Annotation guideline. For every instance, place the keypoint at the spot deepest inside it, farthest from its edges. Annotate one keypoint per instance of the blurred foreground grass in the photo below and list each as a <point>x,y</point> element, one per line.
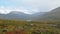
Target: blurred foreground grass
<point>29,27</point>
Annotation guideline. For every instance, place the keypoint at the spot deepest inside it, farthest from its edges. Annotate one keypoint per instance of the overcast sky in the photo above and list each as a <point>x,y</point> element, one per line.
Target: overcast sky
<point>28,6</point>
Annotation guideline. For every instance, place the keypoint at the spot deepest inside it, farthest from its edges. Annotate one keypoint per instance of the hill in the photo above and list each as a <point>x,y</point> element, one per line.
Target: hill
<point>14,16</point>
<point>52,15</point>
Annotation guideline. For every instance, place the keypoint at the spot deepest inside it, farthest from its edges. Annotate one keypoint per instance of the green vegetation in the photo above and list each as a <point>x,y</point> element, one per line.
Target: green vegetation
<point>32,27</point>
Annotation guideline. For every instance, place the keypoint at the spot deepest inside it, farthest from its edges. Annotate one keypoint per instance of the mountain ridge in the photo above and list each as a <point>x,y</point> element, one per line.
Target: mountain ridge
<point>18,16</point>
<point>51,15</point>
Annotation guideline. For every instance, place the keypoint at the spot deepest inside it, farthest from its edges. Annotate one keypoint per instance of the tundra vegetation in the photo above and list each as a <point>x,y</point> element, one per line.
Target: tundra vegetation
<point>29,27</point>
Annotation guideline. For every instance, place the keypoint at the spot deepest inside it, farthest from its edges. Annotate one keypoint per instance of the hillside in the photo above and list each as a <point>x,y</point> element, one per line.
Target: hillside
<point>14,16</point>
<point>52,15</point>
<point>33,27</point>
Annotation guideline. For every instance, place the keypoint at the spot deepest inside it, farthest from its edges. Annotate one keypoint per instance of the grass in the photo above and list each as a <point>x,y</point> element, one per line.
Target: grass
<point>32,27</point>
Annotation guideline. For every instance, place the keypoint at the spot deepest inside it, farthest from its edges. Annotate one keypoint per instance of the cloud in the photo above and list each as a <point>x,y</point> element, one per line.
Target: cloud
<point>31,6</point>
<point>6,10</point>
<point>37,4</point>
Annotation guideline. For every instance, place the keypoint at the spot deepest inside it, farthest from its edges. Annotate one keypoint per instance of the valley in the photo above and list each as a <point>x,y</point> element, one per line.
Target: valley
<point>29,27</point>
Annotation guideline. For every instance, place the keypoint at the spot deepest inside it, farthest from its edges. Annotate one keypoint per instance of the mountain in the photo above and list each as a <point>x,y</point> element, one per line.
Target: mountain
<point>14,15</point>
<point>36,15</point>
<point>52,15</point>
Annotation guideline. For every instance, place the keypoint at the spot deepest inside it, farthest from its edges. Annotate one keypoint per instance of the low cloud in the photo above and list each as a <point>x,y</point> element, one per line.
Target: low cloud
<point>31,6</point>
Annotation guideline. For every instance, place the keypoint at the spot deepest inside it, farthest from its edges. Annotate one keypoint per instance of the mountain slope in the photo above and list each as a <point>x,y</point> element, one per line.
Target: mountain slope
<point>14,15</point>
<point>36,15</point>
<point>52,15</point>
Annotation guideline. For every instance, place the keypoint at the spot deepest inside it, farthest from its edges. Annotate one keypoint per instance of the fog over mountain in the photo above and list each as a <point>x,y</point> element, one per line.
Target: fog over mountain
<point>52,15</point>
<point>28,6</point>
<point>16,15</point>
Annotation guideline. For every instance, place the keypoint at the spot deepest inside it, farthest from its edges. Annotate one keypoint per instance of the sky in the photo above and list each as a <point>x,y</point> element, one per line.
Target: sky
<point>28,6</point>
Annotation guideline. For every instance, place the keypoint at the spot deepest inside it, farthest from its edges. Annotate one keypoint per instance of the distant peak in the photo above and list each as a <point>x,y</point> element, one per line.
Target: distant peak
<point>16,12</point>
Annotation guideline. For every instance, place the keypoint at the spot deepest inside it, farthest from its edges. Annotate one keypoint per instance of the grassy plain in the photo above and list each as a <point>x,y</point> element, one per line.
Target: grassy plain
<point>29,27</point>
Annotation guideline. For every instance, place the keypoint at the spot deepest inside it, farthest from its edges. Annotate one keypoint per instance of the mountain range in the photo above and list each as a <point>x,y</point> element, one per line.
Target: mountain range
<point>14,15</point>
<point>51,15</point>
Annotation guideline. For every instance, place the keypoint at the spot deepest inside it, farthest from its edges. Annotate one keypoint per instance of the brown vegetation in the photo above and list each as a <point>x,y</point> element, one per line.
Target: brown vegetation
<point>32,27</point>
